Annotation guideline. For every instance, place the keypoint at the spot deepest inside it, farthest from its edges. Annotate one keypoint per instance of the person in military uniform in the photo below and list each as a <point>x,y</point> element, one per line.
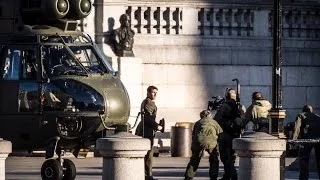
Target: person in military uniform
<point>307,126</point>
<point>204,137</point>
<point>148,126</point>
<point>258,113</point>
<point>229,118</point>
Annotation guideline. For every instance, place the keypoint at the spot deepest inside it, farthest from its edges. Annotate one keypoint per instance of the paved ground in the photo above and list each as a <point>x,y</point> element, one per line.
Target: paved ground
<point>165,168</point>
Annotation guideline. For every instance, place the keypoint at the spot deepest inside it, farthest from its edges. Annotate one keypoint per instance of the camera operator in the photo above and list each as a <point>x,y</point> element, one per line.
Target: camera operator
<point>229,118</point>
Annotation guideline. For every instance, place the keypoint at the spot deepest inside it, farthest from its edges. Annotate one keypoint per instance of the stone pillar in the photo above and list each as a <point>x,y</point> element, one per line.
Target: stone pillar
<point>123,156</point>
<point>5,149</point>
<point>131,70</point>
<point>260,156</point>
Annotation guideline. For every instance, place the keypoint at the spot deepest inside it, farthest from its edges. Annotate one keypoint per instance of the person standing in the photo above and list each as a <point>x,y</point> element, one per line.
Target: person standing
<point>258,113</point>
<point>307,126</point>
<point>229,118</point>
<point>204,137</point>
<point>148,126</point>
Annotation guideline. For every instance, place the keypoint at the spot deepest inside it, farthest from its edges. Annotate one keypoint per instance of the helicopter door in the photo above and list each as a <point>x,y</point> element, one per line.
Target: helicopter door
<point>19,94</point>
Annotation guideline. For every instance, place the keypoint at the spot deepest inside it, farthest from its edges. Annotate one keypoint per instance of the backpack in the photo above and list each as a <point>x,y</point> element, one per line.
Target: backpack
<point>310,125</point>
<point>232,123</point>
<point>208,134</point>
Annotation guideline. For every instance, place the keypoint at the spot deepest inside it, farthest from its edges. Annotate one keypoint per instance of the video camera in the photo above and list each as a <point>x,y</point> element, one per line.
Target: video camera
<point>216,103</point>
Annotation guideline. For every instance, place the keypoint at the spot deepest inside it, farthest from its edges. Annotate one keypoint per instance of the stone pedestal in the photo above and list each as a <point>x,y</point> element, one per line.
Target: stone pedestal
<point>131,74</point>
<point>260,156</point>
<point>5,149</point>
<point>123,156</point>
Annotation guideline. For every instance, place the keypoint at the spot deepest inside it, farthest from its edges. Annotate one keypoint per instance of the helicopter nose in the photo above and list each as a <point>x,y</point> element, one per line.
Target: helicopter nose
<point>118,103</point>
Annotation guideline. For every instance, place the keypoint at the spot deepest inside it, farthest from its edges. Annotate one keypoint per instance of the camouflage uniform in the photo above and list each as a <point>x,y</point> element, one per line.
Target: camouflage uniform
<point>148,129</point>
<point>258,112</point>
<point>211,147</point>
<point>307,126</point>
<point>228,116</point>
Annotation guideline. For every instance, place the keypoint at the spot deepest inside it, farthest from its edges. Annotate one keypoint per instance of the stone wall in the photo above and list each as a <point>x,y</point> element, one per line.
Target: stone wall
<point>192,50</point>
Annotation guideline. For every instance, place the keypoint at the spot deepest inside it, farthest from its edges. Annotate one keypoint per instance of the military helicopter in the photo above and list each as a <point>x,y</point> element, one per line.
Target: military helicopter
<point>58,91</point>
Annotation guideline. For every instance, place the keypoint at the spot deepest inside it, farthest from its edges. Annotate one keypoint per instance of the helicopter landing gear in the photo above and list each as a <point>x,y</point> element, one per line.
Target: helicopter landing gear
<point>69,170</point>
<point>57,169</point>
<point>52,170</point>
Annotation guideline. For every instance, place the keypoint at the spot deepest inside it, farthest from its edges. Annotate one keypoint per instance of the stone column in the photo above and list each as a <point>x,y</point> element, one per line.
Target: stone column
<point>260,156</point>
<point>5,149</point>
<point>123,156</point>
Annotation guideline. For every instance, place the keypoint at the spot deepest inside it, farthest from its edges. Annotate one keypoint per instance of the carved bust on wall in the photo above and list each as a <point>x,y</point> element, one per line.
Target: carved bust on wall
<point>123,38</point>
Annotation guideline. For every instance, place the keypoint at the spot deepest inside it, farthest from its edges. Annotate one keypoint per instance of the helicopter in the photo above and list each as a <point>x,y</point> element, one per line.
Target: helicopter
<point>58,91</point>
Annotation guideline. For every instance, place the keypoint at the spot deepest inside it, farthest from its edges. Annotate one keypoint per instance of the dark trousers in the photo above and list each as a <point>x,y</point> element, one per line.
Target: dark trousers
<point>193,164</point>
<point>148,160</point>
<point>304,154</point>
<point>227,156</point>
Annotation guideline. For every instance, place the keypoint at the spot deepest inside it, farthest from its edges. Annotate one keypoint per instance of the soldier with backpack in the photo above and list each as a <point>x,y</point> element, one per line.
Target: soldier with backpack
<point>204,137</point>
<point>258,113</point>
<point>307,125</point>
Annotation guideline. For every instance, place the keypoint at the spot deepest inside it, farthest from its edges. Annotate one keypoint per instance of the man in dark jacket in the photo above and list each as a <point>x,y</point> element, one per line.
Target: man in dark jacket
<point>148,126</point>
<point>204,137</point>
<point>307,126</point>
<point>229,118</point>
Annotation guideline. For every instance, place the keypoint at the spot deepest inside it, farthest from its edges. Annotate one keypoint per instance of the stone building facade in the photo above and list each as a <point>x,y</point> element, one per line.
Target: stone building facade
<point>192,49</point>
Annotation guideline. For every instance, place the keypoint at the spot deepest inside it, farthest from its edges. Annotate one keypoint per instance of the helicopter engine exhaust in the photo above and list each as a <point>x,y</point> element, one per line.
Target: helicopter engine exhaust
<point>54,10</point>
<point>79,9</point>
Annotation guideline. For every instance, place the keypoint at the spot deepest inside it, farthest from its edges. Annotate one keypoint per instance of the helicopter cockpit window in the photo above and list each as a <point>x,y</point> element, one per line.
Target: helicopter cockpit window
<point>29,66</point>
<point>20,64</point>
<point>88,59</point>
<point>57,60</point>
<point>12,65</point>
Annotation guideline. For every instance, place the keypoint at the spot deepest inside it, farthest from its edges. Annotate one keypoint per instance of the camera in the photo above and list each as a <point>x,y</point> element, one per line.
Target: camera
<point>216,103</point>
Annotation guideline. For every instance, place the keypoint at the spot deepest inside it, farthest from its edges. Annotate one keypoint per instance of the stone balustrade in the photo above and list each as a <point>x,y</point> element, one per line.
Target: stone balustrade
<point>209,18</point>
<point>156,20</point>
<point>219,18</point>
<point>226,22</point>
<point>302,23</point>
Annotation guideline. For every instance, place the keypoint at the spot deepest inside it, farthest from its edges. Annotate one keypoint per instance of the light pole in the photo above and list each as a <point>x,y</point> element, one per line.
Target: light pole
<point>277,113</point>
